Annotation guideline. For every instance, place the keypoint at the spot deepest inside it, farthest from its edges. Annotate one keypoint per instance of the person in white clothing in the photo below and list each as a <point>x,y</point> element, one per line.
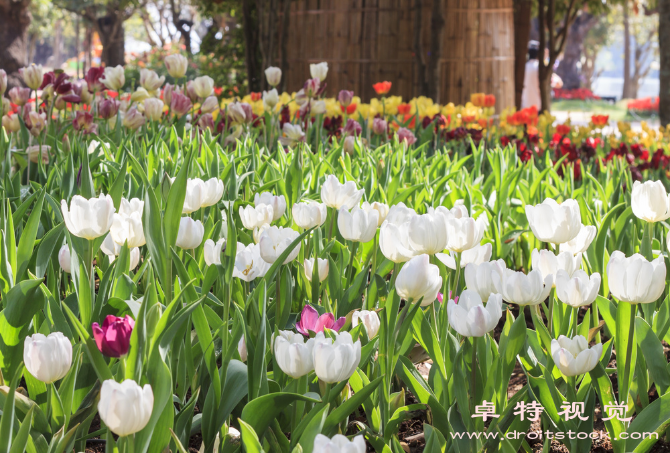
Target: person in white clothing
<point>531,81</point>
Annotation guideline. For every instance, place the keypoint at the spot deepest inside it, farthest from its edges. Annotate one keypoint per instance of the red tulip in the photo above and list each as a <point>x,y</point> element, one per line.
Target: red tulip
<point>113,338</point>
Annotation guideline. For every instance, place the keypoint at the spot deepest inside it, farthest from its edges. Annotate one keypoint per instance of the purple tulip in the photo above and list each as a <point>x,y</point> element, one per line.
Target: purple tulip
<point>352,128</point>
<point>310,320</point>
<point>345,97</point>
<point>113,338</point>
<point>108,108</point>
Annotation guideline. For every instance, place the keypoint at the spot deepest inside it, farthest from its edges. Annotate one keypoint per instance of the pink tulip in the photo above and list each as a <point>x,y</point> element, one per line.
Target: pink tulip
<point>405,134</point>
<point>180,104</point>
<point>310,320</point>
<point>353,127</point>
<point>113,338</point>
<point>345,97</point>
<point>379,126</point>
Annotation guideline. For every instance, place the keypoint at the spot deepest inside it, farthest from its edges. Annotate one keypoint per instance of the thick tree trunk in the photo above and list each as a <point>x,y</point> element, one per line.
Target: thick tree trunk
<point>664,48</point>
<point>110,29</point>
<point>254,69</point>
<point>522,25</point>
<point>627,82</point>
<point>14,21</point>
<point>569,69</point>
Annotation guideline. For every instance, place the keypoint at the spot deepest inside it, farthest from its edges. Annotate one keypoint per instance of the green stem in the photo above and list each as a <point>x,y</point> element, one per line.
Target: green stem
<point>624,384</point>
<point>454,287</point>
<point>350,269</point>
<point>575,314</point>
<point>278,310</point>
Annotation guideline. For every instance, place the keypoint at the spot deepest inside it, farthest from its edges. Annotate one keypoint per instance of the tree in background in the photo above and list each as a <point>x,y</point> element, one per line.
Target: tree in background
<point>14,23</point>
<point>664,49</point>
<point>598,37</point>
<point>639,45</point>
<point>522,14</point>
<point>570,67</point>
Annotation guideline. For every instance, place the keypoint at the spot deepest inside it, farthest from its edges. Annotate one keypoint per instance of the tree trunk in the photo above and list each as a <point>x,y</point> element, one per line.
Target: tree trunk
<point>110,29</point>
<point>664,50</point>
<point>522,25</point>
<point>627,85</point>
<point>570,68</point>
<point>254,69</point>
<point>14,21</point>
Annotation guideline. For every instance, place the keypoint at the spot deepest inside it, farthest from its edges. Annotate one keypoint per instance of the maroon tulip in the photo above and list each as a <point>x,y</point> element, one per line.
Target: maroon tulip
<point>93,77</point>
<point>83,122</point>
<point>311,321</point>
<point>113,338</point>
<point>108,108</point>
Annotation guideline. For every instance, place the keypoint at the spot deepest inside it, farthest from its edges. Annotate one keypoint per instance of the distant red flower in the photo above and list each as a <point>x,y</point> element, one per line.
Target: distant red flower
<point>563,129</point>
<point>382,87</point>
<point>351,108</point>
<point>256,96</point>
<point>404,109</point>
<point>600,120</point>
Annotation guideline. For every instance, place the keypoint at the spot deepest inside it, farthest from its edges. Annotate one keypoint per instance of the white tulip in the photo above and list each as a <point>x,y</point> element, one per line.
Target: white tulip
<point>273,76</point>
<point>322,272</point>
<point>553,222</point>
<point>270,99</point>
<point>319,71</point>
<point>64,258</point>
<point>96,145</point>
<point>335,361</point>
<point>317,107</point>
<point>278,203</point>
<point>470,318</point>
<point>428,233</point>
<point>338,444</point>
<point>381,208</point>
<point>337,195</point>
<point>47,359</point>
<point>394,241</point>
<point>32,76</point>
<point>248,262</point>
<point>577,290</point>
<point>255,216</point>
<point>153,109</point>
<point>309,214</point>
<point>34,154</point>
<point>88,219</point>
<point>479,277</point>
<point>129,206</point>
<point>369,319</point>
<point>275,240</point>
<point>203,86</point>
<point>212,251</point>
<point>242,349</point>
<point>399,214</point>
<point>190,233</point>
<point>114,77</point>
<point>209,105</point>
<point>464,233</point>
<point>521,289</point>
<point>650,201</point>
<point>293,134</point>
<point>573,356</point>
<point>150,81</point>
<point>125,408</point>
<point>358,225</point>
<point>258,232</point>
<point>549,264</point>
<point>213,191</point>
<point>176,65</point>
<point>634,279</point>
<point>128,228</point>
<point>476,255</point>
<point>293,354</point>
<point>581,242</point>
<point>419,279</point>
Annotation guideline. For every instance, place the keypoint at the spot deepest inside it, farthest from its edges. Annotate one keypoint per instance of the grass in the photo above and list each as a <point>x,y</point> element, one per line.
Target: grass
<point>617,111</point>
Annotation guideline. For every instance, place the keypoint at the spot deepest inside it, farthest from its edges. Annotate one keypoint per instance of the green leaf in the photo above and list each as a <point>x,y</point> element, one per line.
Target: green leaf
<point>260,412</point>
<point>249,438</point>
<point>175,203</point>
<point>22,302</point>
<point>27,240</point>
<point>21,439</point>
<point>7,420</point>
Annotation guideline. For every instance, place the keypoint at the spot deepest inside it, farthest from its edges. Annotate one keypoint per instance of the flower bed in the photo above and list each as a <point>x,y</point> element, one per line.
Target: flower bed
<point>287,273</point>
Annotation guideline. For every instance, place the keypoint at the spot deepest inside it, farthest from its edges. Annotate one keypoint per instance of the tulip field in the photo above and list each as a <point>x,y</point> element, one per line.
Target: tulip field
<point>197,273</point>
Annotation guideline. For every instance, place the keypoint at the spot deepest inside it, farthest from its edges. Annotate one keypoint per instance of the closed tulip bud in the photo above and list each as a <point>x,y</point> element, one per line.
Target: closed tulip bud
<point>428,233</point>
<point>470,318</point>
<point>476,255</point>
<point>278,203</point>
<point>352,127</point>
<point>113,337</point>
<point>128,228</point>
<point>635,280</point>
<point>581,242</point>
<point>153,109</point>
<point>577,290</point>
<point>311,88</point>
<point>317,107</point>
<point>553,222</point>
<point>479,277</point>
<point>464,233</point>
<point>212,251</point>
<point>242,349</point>
<point>419,279</point>
<point>212,193</point>
<point>322,271</point>
<point>335,361</point>
<point>133,119</point>
<point>254,217</point>
<point>407,136</point>
<point>358,225</point>
<point>64,259</point>
<point>248,262</point>
<point>150,81</point>
<point>338,444</point>
<point>3,82</point>
<point>573,356</point>
<point>83,122</point>
<point>176,65</point>
<point>309,214</point>
<point>32,76</point>
<point>549,264</point>
<point>394,241</point>
<point>88,218</point>
<point>108,108</point>
<point>273,76</point>
<point>275,240</point>
<point>125,408</point>
<point>11,123</point>
<point>203,86</point>
<point>130,206</point>
<point>381,208</point>
<point>293,354</point>
<point>140,95</point>
<point>48,359</point>
<point>190,233</point>
<point>301,97</point>
<point>369,319</point>
<point>521,289</point>
<point>337,195</point>
<point>114,78</point>
<point>650,201</point>
<point>190,91</point>
<point>38,122</point>
<point>180,104</point>
<point>209,105</point>
<point>379,126</point>
<point>349,145</point>
<point>19,96</point>
<point>270,99</point>
<point>206,121</point>
<point>292,134</point>
<point>319,71</point>
<point>34,153</point>
<point>345,97</point>
<point>236,113</point>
